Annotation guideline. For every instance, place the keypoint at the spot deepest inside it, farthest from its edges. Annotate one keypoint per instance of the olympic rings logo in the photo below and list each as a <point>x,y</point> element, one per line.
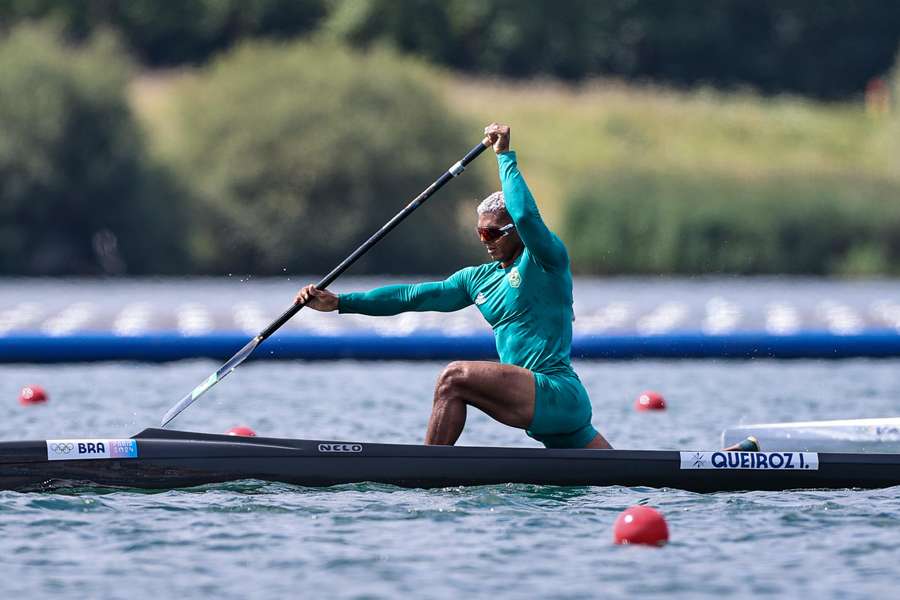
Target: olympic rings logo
<point>63,448</point>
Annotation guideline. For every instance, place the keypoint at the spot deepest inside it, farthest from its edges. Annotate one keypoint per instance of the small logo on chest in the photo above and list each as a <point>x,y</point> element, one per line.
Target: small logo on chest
<point>480,299</point>
<point>513,277</point>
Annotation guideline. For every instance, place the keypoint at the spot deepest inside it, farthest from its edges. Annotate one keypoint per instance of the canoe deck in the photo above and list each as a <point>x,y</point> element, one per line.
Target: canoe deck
<point>166,459</point>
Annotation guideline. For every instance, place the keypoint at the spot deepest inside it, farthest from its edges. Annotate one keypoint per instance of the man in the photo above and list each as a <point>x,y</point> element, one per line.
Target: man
<point>526,296</point>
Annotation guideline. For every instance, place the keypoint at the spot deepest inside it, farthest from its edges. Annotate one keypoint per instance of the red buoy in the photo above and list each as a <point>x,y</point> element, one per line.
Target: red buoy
<point>32,394</point>
<point>641,525</point>
<point>650,401</point>
<point>241,430</point>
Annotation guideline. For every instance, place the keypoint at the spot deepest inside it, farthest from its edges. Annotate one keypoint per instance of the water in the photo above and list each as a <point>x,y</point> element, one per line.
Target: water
<point>716,305</point>
<point>253,539</point>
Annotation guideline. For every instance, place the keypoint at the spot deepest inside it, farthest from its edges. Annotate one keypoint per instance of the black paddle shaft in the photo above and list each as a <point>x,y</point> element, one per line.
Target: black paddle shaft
<point>452,172</point>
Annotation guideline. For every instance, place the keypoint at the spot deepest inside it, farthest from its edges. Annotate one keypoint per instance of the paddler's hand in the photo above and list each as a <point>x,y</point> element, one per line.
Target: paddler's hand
<point>317,299</point>
<point>499,136</point>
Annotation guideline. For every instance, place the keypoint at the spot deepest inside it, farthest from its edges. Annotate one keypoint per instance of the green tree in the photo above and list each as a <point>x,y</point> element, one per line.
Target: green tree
<point>651,223</point>
<point>298,153</point>
<point>823,49</point>
<point>826,49</point>
<point>173,33</point>
<point>77,194</point>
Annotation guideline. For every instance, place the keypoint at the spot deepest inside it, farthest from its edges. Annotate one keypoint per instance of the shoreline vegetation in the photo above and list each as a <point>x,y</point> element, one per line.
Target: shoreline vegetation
<point>642,179</point>
<point>275,157</point>
<point>609,125</point>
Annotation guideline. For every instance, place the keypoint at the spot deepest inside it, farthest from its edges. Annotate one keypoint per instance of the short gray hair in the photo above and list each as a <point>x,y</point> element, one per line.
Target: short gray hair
<point>493,204</point>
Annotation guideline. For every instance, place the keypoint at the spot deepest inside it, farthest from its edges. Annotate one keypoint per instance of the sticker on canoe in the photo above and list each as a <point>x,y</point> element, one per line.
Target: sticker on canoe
<point>340,448</point>
<point>91,449</point>
<point>764,461</point>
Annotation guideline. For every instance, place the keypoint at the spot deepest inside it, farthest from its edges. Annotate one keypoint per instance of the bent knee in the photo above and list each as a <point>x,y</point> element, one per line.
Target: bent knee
<point>453,378</point>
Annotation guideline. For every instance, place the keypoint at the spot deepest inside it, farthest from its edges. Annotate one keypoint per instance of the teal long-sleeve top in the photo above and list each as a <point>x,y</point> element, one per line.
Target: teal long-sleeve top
<point>528,304</point>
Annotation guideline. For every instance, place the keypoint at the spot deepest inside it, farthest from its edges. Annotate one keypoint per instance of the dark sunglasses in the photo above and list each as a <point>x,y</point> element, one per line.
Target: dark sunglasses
<point>490,234</point>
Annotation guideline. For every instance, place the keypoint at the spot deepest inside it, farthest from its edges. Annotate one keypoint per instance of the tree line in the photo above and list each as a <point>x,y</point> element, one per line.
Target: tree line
<point>286,153</point>
<point>828,49</point>
<point>286,157</point>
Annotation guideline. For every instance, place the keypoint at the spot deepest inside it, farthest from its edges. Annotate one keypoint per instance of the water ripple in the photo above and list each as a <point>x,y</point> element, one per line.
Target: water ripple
<point>260,539</point>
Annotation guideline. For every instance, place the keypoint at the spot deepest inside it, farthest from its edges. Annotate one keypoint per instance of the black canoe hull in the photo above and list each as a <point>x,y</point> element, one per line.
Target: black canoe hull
<point>174,459</point>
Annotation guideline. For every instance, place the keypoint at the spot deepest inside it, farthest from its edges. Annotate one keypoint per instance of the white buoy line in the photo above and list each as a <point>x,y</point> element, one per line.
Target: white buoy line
<point>716,316</point>
<point>134,319</point>
<point>781,318</point>
<point>72,318</point>
<point>721,317</point>
<point>193,319</point>
<point>19,316</point>
<point>663,318</point>
<point>840,318</point>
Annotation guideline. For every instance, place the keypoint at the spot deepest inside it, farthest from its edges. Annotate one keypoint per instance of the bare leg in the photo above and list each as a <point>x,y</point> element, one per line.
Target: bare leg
<point>448,417</point>
<point>504,392</point>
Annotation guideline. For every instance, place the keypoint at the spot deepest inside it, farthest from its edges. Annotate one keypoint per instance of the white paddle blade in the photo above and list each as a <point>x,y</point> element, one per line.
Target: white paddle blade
<point>210,381</point>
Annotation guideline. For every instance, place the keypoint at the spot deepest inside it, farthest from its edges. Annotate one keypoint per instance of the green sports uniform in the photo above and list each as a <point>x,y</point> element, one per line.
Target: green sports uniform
<point>528,305</point>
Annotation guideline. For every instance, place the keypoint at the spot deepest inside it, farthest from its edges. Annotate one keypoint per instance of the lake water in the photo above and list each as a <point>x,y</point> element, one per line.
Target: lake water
<point>622,305</point>
<point>254,539</point>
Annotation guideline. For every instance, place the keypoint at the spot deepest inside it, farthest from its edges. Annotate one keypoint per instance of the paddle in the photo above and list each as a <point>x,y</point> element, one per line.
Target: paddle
<point>247,350</point>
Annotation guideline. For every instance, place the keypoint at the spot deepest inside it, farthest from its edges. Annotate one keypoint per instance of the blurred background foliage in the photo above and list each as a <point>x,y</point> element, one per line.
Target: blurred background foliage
<point>638,222</point>
<point>182,32</point>
<point>825,49</point>
<point>211,136</point>
<point>78,191</point>
<point>298,153</point>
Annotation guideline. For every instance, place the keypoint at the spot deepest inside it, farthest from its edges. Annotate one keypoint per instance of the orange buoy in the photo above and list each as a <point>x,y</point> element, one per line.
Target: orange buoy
<point>32,394</point>
<point>241,430</point>
<point>650,401</point>
<point>641,525</point>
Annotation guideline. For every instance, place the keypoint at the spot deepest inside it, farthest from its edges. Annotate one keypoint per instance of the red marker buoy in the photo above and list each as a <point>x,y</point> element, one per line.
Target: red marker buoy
<point>32,394</point>
<point>650,401</point>
<point>241,430</point>
<point>641,525</point>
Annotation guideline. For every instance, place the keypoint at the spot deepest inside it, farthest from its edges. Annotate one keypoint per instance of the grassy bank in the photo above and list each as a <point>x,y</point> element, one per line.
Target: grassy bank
<point>650,180</point>
<point>566,134</point>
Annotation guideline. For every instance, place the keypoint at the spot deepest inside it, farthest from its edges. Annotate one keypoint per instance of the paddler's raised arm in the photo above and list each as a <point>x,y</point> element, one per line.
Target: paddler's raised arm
<point>441,296</point>
<point>543,244</point>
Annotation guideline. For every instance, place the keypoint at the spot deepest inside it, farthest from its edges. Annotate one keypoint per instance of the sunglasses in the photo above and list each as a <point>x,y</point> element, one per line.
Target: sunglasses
<point>490,234</point>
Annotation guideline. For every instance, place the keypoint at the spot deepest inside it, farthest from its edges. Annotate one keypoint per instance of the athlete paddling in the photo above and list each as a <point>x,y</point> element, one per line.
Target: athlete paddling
<point>526,296</point>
